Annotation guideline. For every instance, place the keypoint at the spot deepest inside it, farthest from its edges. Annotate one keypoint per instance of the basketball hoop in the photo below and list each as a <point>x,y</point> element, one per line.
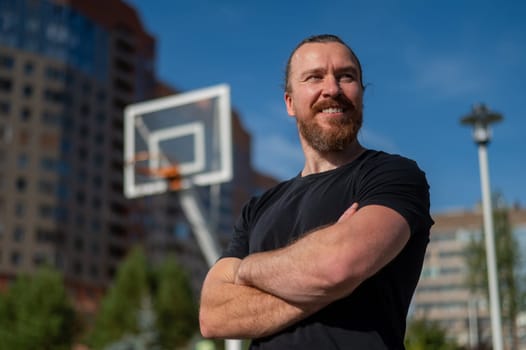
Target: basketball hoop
<point>169,172</point>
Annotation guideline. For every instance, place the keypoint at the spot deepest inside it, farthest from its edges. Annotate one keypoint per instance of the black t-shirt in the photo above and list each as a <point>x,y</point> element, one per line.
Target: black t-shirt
<point>373,315</point>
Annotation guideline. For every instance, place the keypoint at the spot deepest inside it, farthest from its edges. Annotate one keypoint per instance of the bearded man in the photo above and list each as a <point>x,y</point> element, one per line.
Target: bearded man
<point>330,258</point>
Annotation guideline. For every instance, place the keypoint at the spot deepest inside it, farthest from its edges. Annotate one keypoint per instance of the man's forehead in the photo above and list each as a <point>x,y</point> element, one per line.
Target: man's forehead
<point>310,52</point>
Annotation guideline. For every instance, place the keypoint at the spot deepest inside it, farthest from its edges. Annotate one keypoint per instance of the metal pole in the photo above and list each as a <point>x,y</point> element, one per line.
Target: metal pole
<point>473,323</point>
<point>491,260</point>
<point>194,212</point>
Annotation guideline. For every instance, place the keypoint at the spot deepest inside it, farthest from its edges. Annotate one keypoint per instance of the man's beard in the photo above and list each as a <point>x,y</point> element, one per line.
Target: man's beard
<point>342,132</point>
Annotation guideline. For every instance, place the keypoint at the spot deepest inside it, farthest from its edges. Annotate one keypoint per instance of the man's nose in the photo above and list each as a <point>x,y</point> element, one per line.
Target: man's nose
<point>331,86</point>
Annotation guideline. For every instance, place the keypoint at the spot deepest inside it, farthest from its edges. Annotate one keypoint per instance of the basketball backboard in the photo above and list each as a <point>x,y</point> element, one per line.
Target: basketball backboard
<point>186,138</point>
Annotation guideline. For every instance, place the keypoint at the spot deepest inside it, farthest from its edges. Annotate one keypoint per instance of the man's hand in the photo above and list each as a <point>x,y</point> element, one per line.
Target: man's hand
<point>234,311</point>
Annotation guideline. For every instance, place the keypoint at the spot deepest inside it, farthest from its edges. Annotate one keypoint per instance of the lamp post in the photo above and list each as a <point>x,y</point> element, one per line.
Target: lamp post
<point>480,119</point>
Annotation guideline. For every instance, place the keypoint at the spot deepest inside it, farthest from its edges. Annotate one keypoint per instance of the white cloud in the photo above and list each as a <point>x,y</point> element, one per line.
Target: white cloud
<point>449,77</point>
<point>278,155</point>
<point>374,140</point>
<point>446,75</point>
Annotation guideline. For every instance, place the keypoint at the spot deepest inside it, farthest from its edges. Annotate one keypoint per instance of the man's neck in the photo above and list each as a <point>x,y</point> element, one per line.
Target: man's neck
<point>317,162</point>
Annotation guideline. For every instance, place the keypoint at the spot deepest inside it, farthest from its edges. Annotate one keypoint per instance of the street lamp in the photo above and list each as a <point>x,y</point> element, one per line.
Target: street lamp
<point>480,119</point>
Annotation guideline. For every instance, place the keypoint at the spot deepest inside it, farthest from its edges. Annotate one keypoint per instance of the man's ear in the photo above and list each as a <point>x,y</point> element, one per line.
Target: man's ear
<point>290,104</point>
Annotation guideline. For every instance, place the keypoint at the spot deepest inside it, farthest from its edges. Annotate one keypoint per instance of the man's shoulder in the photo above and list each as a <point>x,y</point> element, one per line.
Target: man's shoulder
<point>382,160</point>
<point>382,156</point>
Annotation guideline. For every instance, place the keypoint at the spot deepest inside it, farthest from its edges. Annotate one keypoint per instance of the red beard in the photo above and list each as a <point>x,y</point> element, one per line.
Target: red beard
<point>335,138</point>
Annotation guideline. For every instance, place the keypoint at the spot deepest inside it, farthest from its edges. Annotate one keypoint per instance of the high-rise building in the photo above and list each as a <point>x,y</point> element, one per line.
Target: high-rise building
<point>67,70</point>
<point>443,295</point>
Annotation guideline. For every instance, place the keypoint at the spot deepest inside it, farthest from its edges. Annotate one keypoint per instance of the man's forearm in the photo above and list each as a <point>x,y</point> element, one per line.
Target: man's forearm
<point>235,311</point>
<point>331,262</point>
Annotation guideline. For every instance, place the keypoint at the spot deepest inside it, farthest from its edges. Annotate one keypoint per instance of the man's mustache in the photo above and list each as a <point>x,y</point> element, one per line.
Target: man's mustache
<point>339,102</point>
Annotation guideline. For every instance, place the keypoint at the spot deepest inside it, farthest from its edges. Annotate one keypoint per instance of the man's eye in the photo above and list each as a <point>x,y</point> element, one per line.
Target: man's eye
<point>347,78</point>
<point>313,78</point>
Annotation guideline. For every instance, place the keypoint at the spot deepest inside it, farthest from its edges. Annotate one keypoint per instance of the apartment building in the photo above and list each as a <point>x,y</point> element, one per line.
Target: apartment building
<point>442,294</point>
<point>67,70</point>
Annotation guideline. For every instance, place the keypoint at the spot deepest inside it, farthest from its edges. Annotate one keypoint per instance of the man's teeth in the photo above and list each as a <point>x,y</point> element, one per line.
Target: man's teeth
<point>332,110</point>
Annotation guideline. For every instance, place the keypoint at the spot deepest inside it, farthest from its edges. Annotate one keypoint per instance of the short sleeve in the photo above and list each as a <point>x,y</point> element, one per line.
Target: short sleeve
<point>397,183</point>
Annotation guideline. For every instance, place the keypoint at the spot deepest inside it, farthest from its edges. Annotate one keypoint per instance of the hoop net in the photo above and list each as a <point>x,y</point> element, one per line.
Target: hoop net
<point>158,167</point>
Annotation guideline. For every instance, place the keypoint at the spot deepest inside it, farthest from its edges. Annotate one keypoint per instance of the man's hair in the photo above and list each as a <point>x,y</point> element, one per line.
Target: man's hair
<point>321,38</point>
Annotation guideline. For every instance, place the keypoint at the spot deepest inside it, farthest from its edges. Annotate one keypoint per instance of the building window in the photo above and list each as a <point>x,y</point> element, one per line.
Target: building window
<point>77,267</point>
<point>80,197</point>
<point>5,108</point>
<point>97,181</point>
<point>7,62</point>
<point>65,146</point>
<point>20,210</point>
<point>27,91</point>
<point>39,259</point>
<point>96,226</point>
<point>57,96</point>
<point>46,187</point>
<point>61,214</point>
<point>94,271</point>
<point>16,258</point>
<point>23,137</point>
<point>49,141</point>
<point>84,131</point>
<point>18,234</point>
<point>21,184</point>
<point>85,110</point>
<point>86,88</point>
<point>82,153</point>
<point>22,161</point>
<point>80,221</point>
<point>98,159</point>
<point>99,138</point>
<point>29,68</point>
<point>79,244</point>
<point>48,164</point>
<point>101,96</point>
<point>46,211</point>
<point>45,236</point>
<point>5,85</point>
<point>5,133</point>
<point>25,114</point>
<point>51,119</point>
<point>96,203</point>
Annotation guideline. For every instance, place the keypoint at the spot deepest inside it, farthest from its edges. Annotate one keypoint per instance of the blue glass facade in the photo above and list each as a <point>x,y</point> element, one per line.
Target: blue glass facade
<point>57,32</point>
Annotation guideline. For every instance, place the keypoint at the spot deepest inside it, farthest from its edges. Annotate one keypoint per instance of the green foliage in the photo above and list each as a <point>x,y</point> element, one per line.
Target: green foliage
<point>174,305</point>
<point>119,309</point>
<point>36,313</point>
<point>426,335</point>
<point>511,290</point>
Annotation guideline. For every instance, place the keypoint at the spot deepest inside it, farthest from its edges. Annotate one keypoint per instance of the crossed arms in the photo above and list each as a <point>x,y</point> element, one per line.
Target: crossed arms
<point>269,291</point>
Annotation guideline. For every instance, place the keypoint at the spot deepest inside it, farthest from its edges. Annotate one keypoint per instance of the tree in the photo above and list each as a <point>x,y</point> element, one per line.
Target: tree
<point>174,305</point>
<point>36,313</point>
<point>139,293</point>
<point>118,315</point>
<point>427,335</point>
<point>508,257</point>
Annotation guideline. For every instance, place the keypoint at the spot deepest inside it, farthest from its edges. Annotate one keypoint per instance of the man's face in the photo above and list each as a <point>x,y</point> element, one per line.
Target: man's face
<point>325,95</point>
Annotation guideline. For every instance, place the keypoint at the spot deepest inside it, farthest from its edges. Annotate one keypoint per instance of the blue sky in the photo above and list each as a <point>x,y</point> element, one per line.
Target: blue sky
<point>425,64</point>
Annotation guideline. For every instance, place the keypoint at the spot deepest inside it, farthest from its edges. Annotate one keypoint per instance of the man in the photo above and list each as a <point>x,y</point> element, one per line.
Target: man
<point>329,259</point>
